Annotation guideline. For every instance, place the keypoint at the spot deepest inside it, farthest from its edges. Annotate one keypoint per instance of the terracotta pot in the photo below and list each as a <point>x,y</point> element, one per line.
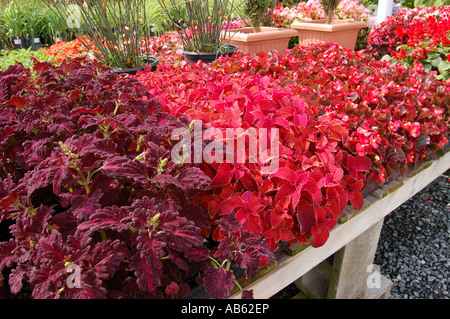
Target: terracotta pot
<point>270,38</point>
<point>342,32</point>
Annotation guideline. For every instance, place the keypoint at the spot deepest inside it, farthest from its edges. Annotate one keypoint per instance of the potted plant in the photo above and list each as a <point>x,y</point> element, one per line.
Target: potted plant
<point>117,29</point>
<point>260,37</point>
<point>14,23</point>
<point>329,29</point>
<point>199,25</point>
<point>35,23</point>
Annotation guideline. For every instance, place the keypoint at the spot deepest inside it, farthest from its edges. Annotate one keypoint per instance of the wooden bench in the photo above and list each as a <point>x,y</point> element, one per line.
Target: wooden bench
<point>342,268</point>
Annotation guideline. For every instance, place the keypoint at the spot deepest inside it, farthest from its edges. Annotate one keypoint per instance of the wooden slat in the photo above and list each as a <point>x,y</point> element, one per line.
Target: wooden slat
<point>290,268</point>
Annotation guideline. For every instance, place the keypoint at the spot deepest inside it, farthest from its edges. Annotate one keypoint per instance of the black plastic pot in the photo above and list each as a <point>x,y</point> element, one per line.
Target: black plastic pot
<point>58,37</point>
<point>18,42</point>
<point>150,61</point>
<point>34,42</point>
<point>208,57</point>
<point>152,31</point>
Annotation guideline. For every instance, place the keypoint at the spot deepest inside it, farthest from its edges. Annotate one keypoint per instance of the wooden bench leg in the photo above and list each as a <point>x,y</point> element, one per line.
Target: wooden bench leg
<point>351,273</point>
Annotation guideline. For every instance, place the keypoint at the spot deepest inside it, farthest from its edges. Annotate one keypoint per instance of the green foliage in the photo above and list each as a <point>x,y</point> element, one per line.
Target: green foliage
<point>291,3</point>
<point>329,7</point>
<point>156,17</point>
<point>434,60</point>
<point>200,23</point>
<point>54,26</point>
<point>23,56</point>
<point>257,11</point>
<point>117,28</point>
<point>431,3</point>
<point>28,17</point>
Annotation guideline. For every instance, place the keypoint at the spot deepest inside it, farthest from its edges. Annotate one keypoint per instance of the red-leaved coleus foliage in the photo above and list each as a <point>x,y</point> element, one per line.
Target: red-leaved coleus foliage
<point>312,163</point>
<point>88,185</point>
<point>346,122</point>
<point>397,116</point>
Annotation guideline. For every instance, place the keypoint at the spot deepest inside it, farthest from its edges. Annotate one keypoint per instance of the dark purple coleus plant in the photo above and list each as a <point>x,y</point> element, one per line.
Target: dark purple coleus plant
<point>91,203</point>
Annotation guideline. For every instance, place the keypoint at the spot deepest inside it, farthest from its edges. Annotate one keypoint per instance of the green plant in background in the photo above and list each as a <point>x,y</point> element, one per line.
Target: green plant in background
<point>259,12</point>
<point>329,7</point>
<point>291,3</point>
<point>431,3</point>
<point>23,56</point>
<point>158,18</point>
<point>433,61</point>
<point>34,14</point>
<point>54,26</point>
<point>117,28</point>
<point>199,23</point>
<point>13,20</point>
<point>27,18</point>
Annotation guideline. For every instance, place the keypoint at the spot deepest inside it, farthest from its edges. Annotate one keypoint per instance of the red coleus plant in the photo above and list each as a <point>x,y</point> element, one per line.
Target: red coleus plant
<point>309,175</point>
<point>92,204</point>
<point>396,116</point>
<point>346,122</point>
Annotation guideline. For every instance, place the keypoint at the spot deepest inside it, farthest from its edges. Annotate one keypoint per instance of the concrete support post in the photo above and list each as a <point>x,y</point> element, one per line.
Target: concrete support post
<point>351,273</point>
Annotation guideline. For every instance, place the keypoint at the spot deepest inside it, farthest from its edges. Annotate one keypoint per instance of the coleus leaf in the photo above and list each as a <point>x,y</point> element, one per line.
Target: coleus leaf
<point>248,262</point>
<point>251,249</point>
<point>112,217</point>
<point>184,235</point>
<point>230,204</point>
<point>146,264</point>
<point>164,180</point>
<point>105,257</point>
<point>223,176</point>
<point>84,206</point>
<point>306,216</point>
<point>52,248</point>
<point>8,254</point>
<point>218,282</point>
<point>29,224</point>
<point>123,168</point>
<point>321,230</point>
<point>358,164</point>
<point>312,189</point>
<point>16,278</point>
<point>47,280</point>
<point>357,200</point>
<point>286,174</point>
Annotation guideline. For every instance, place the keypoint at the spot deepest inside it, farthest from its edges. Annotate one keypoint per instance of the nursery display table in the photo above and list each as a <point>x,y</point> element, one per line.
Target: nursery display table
<point>342,268</point>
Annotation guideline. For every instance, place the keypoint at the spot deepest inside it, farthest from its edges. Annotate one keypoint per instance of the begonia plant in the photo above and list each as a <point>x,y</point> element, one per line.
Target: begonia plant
<point>415,36</point>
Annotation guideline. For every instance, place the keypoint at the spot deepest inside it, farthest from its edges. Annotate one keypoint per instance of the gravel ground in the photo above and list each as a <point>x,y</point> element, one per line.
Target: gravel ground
<point>413,251</point>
